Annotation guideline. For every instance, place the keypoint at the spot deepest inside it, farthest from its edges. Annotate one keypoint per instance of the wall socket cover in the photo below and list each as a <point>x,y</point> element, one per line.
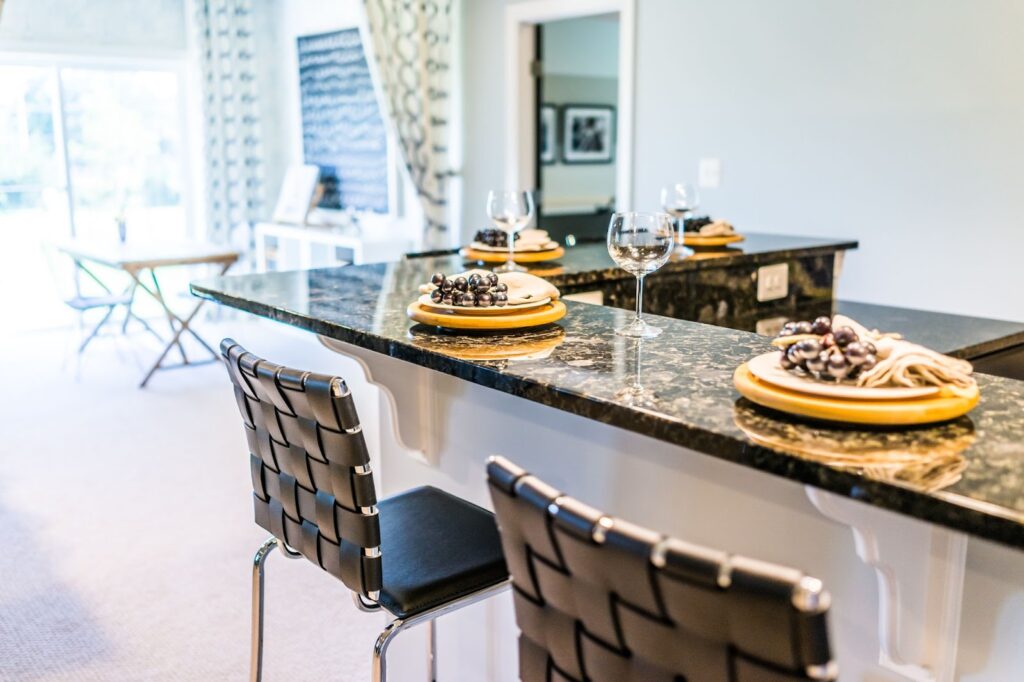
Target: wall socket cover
<point>772,282</point>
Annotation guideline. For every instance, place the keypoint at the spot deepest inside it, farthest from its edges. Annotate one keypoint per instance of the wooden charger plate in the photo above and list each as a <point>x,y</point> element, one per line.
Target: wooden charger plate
<point>900,412</point>
<point>722,240</point>
<point>469,253</point>
<point>546,314</point>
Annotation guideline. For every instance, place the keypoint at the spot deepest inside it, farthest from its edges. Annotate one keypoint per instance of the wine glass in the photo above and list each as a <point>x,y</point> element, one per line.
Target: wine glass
<point>640,243</point>
<point>680,200</point>
<point>510,211</point>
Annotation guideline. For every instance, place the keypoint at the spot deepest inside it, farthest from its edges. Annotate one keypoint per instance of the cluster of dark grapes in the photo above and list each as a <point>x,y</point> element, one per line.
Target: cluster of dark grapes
<point>835,354</point>
<point>695,223</point>
<point>477,290</point>
<point>493,237</point>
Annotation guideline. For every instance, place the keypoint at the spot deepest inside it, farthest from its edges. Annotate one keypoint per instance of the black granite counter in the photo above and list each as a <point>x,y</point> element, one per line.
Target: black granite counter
<point>967,474</point>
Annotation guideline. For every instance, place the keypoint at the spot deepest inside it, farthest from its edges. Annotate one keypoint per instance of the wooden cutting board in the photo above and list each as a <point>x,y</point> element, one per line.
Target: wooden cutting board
<point>552,312</point>
<point>902,412</point>
<point>470,253</point>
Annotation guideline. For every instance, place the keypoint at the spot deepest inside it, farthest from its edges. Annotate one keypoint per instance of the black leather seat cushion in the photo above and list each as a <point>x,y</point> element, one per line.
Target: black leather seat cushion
<point>435,547</point>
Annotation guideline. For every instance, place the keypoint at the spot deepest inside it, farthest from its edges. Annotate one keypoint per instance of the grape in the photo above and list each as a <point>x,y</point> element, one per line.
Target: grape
<point>806,349</point>
<point>784,360</point>
<point>461,283</point>
<point>447,300</point>
<point>458,298</point>
<point>837,366</point>
<point>500,298</point>
<point>855,353</point>
<point>484,300</point>
<point>828,341</point>
<point>446,285</point>
<point>786,332</point>
<point>469,298</point>
<point>844,336</point>
<point>501,288</point>
<point>870,360</point>
<point>817,363</point>
<point>437,278</point>
<point>492,279</point>
<point>436,295</point>
<point>870,348</point>
<point>821,326</point>
<point>474,281</point>
<point>803,328</point>
<point>793,355</point>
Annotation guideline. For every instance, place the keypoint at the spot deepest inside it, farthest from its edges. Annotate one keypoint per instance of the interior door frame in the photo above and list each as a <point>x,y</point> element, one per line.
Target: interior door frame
<point>521,18</point>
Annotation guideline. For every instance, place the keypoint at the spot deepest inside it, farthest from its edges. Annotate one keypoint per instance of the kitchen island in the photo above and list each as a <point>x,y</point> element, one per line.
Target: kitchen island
<point>924,555</point>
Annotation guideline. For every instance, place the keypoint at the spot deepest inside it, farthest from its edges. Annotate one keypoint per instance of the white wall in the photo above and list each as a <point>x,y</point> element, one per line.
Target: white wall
<point>895,123</point>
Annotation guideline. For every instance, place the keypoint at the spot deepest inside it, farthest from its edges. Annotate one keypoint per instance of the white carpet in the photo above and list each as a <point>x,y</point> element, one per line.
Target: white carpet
<point>127,532</point>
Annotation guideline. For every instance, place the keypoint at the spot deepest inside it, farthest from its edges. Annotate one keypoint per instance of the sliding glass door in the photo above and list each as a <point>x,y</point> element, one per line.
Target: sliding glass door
<point>81,148</point>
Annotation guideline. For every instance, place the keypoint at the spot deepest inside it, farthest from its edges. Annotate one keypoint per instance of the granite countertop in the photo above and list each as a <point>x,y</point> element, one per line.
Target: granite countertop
<point>590,263</point>
<point>967,474</point>
<point>957,335</point>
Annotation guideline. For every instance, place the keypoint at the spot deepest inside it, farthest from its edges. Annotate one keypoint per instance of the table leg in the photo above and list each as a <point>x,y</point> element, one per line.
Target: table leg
<point>183,325</point>
<point>159,295</point>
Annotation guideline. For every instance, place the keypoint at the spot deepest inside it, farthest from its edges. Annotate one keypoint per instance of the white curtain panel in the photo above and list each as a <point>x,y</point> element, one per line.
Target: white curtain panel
<point>234,156</point>
<point>411,45</point>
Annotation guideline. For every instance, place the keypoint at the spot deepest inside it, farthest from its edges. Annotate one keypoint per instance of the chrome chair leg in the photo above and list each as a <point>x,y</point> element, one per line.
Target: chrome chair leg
<point>432,651</point>
<point>256,661</point>
<point>380,649</point>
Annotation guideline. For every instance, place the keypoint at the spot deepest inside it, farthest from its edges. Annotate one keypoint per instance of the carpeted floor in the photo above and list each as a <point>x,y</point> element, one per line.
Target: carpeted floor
<point>127,532</point>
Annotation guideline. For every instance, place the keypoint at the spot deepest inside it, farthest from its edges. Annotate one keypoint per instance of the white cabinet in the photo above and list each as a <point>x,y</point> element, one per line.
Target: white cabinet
<point>300,247</point>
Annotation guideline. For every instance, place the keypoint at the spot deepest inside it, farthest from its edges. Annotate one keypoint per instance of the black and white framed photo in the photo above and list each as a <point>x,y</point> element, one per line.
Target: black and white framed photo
<point>547,135</point>
<point>588,133</point>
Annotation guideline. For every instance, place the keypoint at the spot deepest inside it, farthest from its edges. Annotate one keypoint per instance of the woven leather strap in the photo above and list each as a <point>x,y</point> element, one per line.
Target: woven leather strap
<point>312,486</point>
<point>600,599</point>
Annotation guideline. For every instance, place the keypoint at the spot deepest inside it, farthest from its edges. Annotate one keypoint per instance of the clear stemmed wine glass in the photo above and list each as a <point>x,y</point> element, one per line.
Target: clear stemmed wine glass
<point>640,243</point>
<point>680,200</point>
<point>510,211</point>
<point>634,393</point>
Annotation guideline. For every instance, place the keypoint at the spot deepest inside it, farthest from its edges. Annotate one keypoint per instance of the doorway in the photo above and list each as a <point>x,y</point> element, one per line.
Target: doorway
<point>577,72</point>
<point>569,78</point>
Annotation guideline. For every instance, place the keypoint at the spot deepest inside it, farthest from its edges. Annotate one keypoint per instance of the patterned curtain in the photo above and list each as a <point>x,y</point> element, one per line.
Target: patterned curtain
<point>411,45</point>
<point>234,159</point>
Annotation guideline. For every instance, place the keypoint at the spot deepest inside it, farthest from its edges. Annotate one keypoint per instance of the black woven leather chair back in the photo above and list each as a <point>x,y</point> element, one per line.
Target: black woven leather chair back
<point>604,600</point>
<point>312,484</point>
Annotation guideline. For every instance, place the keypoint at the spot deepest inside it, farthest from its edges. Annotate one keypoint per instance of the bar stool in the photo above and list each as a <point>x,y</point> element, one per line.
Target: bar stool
<point>602,600</point>
<point>416,555</point>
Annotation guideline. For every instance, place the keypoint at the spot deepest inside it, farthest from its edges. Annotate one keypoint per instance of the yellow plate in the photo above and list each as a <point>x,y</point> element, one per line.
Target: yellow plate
<point>902,412</point>
<point>696,240</point>
<point>547,314</point>
<point>470,253</point>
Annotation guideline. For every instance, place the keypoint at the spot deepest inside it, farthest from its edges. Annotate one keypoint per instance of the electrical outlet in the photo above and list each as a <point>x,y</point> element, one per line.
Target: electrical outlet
<point>709,173</point>
<point>772,282</point>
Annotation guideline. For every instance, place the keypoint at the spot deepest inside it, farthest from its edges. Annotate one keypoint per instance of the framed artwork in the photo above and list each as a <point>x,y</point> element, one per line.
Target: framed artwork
<point>588,133</point>
<point>547,135</point>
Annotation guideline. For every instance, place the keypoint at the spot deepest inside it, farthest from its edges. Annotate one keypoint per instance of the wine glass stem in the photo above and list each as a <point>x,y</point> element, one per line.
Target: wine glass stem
<point>639,297</point>
<point>511,248</point>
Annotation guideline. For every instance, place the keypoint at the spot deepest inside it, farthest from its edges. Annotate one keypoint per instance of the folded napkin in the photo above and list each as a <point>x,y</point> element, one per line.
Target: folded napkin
<point>902,363</point>
<point>522,286</point>
<point>718,228</point>
<point>529,240</point>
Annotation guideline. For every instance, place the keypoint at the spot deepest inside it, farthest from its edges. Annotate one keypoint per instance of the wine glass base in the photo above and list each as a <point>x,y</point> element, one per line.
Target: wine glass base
<point>638,329</point>
<point>637,396</point>
<point>511,267</point>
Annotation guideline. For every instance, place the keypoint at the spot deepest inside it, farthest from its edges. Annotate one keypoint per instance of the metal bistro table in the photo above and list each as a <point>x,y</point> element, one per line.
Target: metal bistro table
<point>136,259</point>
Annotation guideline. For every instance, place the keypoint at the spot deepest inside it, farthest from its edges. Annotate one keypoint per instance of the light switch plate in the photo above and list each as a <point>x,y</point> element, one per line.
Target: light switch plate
<point>709,173</point>
<point>772,282</point>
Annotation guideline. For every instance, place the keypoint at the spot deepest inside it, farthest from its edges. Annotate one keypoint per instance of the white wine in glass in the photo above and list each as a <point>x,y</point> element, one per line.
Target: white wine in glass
<point>510,211</point>
<point>640,243</point>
